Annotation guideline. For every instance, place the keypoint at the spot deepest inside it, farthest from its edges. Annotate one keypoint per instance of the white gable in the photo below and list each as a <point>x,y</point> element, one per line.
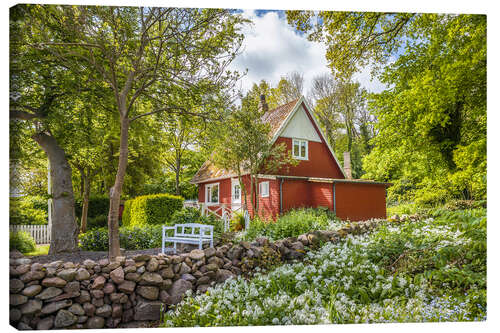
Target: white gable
<point>300,127</point>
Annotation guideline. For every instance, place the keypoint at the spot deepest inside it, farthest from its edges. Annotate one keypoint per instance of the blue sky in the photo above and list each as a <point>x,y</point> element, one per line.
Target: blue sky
<point>272,49</point>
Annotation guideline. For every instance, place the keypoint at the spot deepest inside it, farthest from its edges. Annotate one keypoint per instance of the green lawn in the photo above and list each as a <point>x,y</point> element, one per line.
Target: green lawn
<point>40,251</point>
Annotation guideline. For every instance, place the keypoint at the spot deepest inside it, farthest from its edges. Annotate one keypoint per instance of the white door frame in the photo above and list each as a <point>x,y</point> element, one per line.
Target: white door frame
<point>235,204</point>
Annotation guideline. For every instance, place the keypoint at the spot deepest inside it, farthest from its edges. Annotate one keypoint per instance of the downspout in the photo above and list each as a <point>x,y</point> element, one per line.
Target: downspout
<point>334,203</point>
<point>281,195</point>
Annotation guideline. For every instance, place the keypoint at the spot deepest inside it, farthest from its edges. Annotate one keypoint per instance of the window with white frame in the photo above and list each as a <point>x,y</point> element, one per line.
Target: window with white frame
<point>236,192</point>
<point>299,149</point>
<point>264,189</point>
<point>212,193</point>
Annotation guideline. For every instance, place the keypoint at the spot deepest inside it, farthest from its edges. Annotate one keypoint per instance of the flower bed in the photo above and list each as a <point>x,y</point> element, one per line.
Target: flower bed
<point>426,270</point>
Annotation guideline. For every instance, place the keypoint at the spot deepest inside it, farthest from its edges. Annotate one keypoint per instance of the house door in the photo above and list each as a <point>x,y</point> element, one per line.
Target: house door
<point>235,195</point>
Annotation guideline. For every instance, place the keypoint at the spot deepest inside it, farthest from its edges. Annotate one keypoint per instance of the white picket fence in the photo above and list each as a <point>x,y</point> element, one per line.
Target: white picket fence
<point>40,233</point>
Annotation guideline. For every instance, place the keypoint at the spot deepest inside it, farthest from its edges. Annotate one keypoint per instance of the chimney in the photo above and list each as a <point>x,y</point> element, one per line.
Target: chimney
<point>263,104</point>
<point>347,165</point>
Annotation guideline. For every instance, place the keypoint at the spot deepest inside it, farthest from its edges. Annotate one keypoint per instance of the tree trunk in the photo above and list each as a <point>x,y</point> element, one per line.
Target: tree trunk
<point>82,184</point>
<point>86,195</point>
<point>177,176</point>
<point>257,195</point>
<point>64,230</point>
<point>116,191</point>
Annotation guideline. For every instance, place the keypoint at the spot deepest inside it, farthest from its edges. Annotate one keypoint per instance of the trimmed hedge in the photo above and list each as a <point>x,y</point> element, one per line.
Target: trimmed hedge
<point>151,209</point>
<point>127,206</point>
<point>98,206</point>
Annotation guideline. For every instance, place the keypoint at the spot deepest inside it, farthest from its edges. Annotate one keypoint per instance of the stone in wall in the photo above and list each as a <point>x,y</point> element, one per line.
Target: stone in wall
<point>106,294</point>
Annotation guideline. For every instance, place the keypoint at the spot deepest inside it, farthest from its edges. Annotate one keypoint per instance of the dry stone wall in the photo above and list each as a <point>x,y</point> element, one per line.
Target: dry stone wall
<point>110,294</point>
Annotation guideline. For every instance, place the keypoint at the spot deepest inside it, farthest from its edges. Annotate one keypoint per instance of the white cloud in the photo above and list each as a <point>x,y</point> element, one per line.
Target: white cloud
<point>272,49</point>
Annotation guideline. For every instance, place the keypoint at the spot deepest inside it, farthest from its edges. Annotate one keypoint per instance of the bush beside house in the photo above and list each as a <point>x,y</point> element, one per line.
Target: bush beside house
<point>151,209</point>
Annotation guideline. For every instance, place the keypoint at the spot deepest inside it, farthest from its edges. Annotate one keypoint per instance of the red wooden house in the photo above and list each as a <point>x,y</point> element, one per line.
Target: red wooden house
<point>318,180</point>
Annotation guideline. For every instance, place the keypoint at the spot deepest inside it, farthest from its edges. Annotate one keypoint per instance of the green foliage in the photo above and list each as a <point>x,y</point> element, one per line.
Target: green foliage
<point>439,91</point>
<point>292,224</point>
<point>98,206</point>
<point>99,221</point>
<point>41,250</point>
<point>237,223</point>
<point>186,215</point>
<point>28,210</point>
<point>431,270</point>
<point>21,241</point>
<point>403,208</point>
<point>167,185</point>
<point>151,209</point>
<point>127,207</point>
<point>377,36</point>
<point>131,238</point>
<point>431,120</point>
<point>449,265</point>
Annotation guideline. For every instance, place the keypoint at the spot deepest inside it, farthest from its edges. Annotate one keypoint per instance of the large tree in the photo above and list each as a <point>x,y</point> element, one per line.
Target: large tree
<point>242,144</point>
<point>432,118</point>
<point>142,54</point>
<point>42,104</point>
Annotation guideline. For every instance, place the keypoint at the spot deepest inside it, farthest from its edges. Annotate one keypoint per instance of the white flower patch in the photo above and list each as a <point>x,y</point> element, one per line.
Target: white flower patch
<point>337,283</point>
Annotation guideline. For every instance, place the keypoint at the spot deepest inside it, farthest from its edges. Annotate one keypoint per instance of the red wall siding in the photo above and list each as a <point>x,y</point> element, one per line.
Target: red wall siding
<point>296,193</point>
<point>322,195</point>
<point>320,163</point>
<point>269,207</point>
<point>359,202</point>
<point>224,191</point>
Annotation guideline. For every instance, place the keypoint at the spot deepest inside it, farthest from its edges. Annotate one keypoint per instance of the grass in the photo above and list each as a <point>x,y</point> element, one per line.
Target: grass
<point>41,250</point>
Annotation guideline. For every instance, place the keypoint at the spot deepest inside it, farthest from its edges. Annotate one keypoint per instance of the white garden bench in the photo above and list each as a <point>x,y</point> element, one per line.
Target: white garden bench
<point>197,235</point>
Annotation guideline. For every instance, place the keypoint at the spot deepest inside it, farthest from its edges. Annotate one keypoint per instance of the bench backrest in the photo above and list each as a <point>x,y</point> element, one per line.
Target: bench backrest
<point>193,230</point>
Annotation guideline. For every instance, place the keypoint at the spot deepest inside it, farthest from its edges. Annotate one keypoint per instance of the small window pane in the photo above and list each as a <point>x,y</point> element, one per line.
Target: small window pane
<point>214,194</point>
<point>303,149</point>
<point>264,189</point>
<point>236,192</point>
<point>295,148</point>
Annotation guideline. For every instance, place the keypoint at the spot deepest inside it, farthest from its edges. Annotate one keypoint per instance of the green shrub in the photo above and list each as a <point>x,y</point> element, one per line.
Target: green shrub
<point>127,206</point>
<point>22,241</point>
<point>186,215</point>
<point>402,208</point>
<point>152,209</point>
<point>218,224</point>
<point>100,221</point>
<point>464,204</point>
<point>98,206</point>
<point>28,210</point>
<point>131,238</point>
<point>238,222</point>
<point>292,224</point>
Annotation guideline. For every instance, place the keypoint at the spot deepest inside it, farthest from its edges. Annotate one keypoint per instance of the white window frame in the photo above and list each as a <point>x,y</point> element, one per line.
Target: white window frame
<point>300,142</point>
<point>233,184</point>
<point>208,190</point>
<point>262,193</point>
